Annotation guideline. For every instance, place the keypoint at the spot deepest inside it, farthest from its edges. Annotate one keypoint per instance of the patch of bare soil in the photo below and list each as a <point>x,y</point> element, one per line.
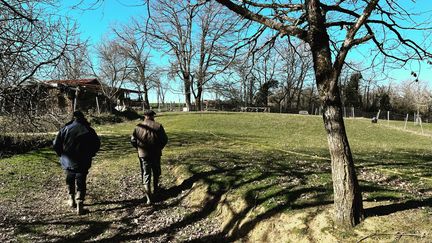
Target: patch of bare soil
<point>407,221</point>
<point>113,215</point>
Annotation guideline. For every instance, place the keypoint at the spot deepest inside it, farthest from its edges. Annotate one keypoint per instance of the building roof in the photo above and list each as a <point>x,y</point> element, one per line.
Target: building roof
<point>75,82</point>
<point>90,84</point>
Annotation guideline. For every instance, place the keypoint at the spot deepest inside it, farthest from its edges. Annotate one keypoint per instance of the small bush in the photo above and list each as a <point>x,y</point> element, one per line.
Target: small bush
<point>104,118</point>
<point>129,114</point>
<point>23,143</point>
<point>115,117</point>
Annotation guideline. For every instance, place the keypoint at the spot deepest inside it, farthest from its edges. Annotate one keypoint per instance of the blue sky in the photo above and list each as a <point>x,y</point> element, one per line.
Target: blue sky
<point>94,24</point>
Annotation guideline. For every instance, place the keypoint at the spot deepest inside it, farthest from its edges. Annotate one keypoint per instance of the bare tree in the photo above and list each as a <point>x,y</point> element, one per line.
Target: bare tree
<point>74,64</point>
<point>242,73</point>
<point>114,69</point>
<point>217,33</point>
<point>162,88</point>
<point>132,44</point>
<point>350,23</point>
<point>264,71</point>
<point>32,39</point>
<point>296,67</point>
<point>197,36</point>
<point>172,28</point>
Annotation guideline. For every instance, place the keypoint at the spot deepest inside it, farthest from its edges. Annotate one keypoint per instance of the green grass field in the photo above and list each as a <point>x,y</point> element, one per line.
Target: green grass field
<point>262,176</point>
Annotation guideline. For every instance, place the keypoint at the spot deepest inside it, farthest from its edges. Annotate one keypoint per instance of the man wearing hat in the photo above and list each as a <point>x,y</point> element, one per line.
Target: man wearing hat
<point>149,138</point>
<point>76,144</point>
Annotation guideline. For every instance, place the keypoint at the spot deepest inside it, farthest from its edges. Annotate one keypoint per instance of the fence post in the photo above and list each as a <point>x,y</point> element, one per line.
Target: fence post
<point>378,114</point>
<point>406,121</point>
<point>97,105</point>
<point>388,117</point>
<point>421,125</point>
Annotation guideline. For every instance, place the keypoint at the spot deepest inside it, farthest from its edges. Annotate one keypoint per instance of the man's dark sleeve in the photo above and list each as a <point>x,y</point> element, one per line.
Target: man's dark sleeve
<point>58,143</point>
<point>97,143</point>
<point>163,137</point>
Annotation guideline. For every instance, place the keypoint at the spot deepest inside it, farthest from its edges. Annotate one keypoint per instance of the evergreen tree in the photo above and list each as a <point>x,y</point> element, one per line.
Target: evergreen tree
<point>264,92</point>
<point>352,91</point>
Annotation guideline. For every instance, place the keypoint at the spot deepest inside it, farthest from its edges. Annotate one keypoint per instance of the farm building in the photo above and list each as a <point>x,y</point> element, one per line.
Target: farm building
<point>64,96</point>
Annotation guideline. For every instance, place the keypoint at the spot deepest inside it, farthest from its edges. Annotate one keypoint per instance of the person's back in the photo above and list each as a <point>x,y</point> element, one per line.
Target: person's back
<point>149,138</point>
<point>76,144</point>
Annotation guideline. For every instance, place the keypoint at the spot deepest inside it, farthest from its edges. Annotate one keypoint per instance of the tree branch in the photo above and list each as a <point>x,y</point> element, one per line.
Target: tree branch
<point>292,7</point>
<point>284,29</point>
<point>31,20</point>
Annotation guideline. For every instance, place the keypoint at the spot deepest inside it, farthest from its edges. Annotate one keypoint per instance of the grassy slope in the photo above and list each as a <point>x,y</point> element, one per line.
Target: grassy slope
<point>279,163</point>
<point>276,163</point>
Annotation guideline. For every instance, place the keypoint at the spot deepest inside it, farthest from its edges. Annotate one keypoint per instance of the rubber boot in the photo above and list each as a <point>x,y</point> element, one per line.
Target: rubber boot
<point>80,202</point>
<point>80,207</point>
<point>71,201</point>
<point>156,188</point>
<point>147,194</point>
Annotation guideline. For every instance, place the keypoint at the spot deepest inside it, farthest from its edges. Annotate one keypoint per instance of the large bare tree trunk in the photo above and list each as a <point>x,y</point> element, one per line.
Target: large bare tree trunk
<point>348,204</point>
<point>347,196</point>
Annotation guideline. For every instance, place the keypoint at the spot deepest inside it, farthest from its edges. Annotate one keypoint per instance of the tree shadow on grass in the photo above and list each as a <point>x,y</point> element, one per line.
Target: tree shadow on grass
<point>261,195</point>
<point>273,180</point>
<point>396,178</point>
<point>94,228</point>
<point>25,228</point>
<point>397,207</point>
<point>261,175</point>
<point>173,192</point>
<point>115,146</point>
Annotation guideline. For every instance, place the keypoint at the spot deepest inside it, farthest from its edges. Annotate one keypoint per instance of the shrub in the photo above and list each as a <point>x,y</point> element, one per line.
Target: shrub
<point>15,144</point>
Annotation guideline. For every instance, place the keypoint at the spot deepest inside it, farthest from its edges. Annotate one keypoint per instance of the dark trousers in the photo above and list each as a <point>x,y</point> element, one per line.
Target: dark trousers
<point>149,166</point>
<point>76,182</point>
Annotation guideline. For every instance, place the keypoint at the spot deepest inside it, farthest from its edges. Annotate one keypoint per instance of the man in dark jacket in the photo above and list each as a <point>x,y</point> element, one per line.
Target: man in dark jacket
<point>76,144</point>
<point>149,138</point>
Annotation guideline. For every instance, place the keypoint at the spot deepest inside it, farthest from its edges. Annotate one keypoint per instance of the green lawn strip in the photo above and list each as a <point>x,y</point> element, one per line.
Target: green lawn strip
<point>28,173</point>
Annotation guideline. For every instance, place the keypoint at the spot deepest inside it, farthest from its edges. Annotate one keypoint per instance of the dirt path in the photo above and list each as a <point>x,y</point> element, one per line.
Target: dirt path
<point>116,212</point>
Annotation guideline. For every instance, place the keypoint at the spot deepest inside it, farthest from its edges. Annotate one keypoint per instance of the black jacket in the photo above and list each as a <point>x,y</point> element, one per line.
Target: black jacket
<point>76,144</point>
